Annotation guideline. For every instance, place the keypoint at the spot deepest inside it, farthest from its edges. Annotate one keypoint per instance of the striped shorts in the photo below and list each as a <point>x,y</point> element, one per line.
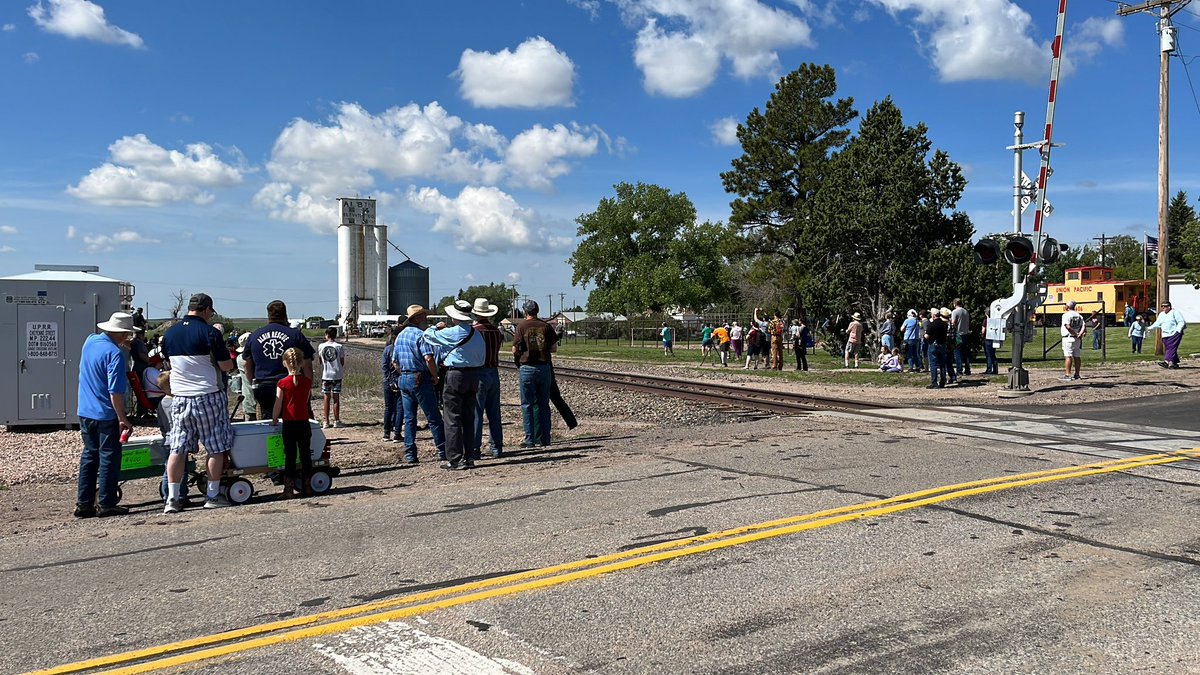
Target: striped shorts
<point>200,419</point>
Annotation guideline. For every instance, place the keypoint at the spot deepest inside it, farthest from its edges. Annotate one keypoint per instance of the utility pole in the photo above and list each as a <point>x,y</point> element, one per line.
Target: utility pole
<point>1164,10</point>
<point>561,306</point>
<point>1103,239</point>
<point>550,305</point>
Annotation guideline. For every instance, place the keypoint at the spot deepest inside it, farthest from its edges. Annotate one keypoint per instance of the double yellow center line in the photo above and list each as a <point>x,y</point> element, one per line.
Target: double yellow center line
<point>337,621</point>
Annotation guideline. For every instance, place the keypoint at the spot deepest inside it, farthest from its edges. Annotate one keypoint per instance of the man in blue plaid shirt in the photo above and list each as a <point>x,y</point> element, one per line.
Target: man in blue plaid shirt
<point>416,371</point>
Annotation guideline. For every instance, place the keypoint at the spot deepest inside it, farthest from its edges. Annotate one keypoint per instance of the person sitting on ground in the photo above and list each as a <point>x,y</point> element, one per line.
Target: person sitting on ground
<point>883,355</point>
<point>291,405</point>
<point>891,362</point>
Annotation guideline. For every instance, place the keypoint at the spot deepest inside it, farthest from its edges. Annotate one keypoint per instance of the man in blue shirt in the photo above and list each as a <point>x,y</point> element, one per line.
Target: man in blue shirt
<point>264,356</point>
<point>416,373</point>
<point>463,354</point>
<point>200,411</point>
<point>102,387</point>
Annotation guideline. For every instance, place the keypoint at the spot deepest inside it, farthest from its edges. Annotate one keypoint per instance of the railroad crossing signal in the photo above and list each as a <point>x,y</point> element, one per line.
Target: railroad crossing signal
<point>1029,192</point>
<point>986,252</point>
<point>1017,249</point>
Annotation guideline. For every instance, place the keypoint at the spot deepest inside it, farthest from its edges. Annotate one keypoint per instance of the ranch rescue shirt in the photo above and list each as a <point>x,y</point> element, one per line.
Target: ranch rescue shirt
<point>267,345</point>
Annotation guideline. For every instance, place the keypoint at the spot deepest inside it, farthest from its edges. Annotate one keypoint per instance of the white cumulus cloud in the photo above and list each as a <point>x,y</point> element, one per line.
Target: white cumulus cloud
<point>99,243</point>
<point>314,163</point>
<point>535,75</point>
<point>539,155</point>
<point>141,173</point>
<point>9,27</point>
<point>30,58</point>
<point>995,39</point>
<point>485,220</point>
<point>513,277</point>
<point>227,241</point>
<point>7,229</point>
<point>724,131</point>
<point>682,43</point>
<point>80,19</point>
<point>7,249</point>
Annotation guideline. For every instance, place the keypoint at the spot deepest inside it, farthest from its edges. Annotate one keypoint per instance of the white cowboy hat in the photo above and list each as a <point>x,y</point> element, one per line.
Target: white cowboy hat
<point>484,308</point>
<point>119,322</point>
<point>458,311</point>
<point>856,316</point>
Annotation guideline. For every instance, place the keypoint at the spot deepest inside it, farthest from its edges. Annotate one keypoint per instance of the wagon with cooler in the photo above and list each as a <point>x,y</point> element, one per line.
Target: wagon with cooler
<point>257,449</point>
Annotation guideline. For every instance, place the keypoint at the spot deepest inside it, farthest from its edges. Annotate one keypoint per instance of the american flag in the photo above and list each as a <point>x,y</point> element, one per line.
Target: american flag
<point>1151,244</point>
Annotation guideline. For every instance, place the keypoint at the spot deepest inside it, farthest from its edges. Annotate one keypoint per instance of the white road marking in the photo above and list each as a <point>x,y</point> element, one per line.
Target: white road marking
<point>396,648</point>
<point>989,435</point>
<point>1158,431</point>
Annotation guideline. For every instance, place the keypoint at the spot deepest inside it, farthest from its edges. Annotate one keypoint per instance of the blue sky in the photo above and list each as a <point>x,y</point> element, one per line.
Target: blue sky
<point>201,145</point>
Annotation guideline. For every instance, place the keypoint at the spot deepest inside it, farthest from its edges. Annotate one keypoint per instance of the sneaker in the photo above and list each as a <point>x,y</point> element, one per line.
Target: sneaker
<point>85,511</point>
<point>173,506</point>
<point>220,501</point>
<point>337,424</point>
<point>497,453</point>
<point>932,386</point>
<point>325,425</point>
<point>471,465</point>
<point>1066,378</point>
<point>113,510</point>
<point>387,438</point>
<point>452,466</point>
<point>1076,378</point>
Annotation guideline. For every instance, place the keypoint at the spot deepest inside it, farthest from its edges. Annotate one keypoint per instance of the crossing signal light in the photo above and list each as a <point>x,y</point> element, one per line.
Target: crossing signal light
<point>1051,250</point>
<point>1018,250</point>
<point>986,252</point>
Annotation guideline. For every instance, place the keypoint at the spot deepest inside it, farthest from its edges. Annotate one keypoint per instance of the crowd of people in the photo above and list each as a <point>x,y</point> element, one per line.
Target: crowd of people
<point>762,341</point>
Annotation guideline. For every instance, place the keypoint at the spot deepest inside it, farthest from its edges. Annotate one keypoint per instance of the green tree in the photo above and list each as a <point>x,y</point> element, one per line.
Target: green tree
<point>883,227</point>
<point>1180,216</point>
<point>643,250</point>
<point>786,151</point>
<point>500,295</point>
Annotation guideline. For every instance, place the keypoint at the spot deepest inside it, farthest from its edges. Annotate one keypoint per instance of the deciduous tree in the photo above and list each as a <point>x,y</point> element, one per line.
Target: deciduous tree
<point>643,250</point>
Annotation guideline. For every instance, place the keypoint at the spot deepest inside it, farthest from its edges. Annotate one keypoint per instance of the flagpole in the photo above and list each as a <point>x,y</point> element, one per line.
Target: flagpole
<point>1145,255</point>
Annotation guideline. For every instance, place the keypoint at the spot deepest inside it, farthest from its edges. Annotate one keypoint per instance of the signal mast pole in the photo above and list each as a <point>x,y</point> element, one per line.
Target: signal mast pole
<point>1165,10</point>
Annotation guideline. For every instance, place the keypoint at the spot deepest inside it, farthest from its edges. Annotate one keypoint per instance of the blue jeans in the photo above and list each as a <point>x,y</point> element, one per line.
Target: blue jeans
<point>989,353</point>
<point>1097,338</point>
<point>962,355</point>
<point>535,400</point>
<point>887,341</point>
<point>101,458</point>
<point>389,409</point>
<point>412,395</point>
<point>937,355</point>
<point>487,400</point>
<point>1137,344</point>
<point>912,354</point>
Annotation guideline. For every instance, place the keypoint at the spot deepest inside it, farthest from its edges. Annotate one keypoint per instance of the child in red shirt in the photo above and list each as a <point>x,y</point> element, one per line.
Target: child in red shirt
<point>291,405</point>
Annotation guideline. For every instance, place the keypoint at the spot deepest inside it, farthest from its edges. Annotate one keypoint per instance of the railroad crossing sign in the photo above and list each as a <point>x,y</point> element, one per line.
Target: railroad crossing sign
<point>1029,195</point>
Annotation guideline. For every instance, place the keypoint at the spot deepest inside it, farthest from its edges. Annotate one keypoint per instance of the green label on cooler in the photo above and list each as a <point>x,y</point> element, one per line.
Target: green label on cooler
<point>135,458</point>
<point>275,458</point>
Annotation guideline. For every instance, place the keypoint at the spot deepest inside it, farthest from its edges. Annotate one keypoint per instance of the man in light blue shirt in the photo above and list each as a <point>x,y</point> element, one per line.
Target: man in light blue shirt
<point>102,387</point>
<point>1171,324</point>
<point>462,354</point>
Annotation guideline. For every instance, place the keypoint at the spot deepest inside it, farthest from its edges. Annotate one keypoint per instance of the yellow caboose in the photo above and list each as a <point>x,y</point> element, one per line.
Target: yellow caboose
<point>1088,286</point>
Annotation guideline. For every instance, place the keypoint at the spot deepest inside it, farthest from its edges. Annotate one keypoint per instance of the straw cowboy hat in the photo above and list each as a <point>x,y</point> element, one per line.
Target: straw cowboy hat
<point>856,316</point>
<point>119,322</point>
<point>945,312</point>
<point>484,308</point>
<point>459,311</point>
<point>414,311</point>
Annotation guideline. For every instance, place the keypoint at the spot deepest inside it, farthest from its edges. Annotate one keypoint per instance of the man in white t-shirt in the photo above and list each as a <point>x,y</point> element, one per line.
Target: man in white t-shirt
<point>1072,331</point>
<point>333,363</point>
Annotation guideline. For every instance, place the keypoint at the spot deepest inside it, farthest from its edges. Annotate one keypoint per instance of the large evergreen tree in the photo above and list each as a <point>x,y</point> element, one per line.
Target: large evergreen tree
<point>786,150</point>
<point>1180,216</point>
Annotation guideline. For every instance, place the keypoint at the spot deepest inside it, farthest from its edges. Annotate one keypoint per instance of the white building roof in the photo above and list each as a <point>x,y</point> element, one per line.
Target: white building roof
<point>59,276</point>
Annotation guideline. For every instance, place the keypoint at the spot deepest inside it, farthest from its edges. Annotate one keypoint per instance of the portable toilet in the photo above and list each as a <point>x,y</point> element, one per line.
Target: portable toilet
<point>44,318</point>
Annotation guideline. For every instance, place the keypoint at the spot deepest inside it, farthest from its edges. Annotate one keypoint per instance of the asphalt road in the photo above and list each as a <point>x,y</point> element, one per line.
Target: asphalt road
<point>1080,573</point>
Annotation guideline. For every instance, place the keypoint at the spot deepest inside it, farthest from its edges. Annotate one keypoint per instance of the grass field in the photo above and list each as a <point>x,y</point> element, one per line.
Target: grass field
<point>824,367</point>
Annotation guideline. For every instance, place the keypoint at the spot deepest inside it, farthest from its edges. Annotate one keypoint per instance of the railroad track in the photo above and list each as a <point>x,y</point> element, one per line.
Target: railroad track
<point>704,391</point>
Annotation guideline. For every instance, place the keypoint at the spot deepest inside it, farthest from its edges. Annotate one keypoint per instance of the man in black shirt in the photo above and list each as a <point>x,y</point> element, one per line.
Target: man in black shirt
<point>935,337</point>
